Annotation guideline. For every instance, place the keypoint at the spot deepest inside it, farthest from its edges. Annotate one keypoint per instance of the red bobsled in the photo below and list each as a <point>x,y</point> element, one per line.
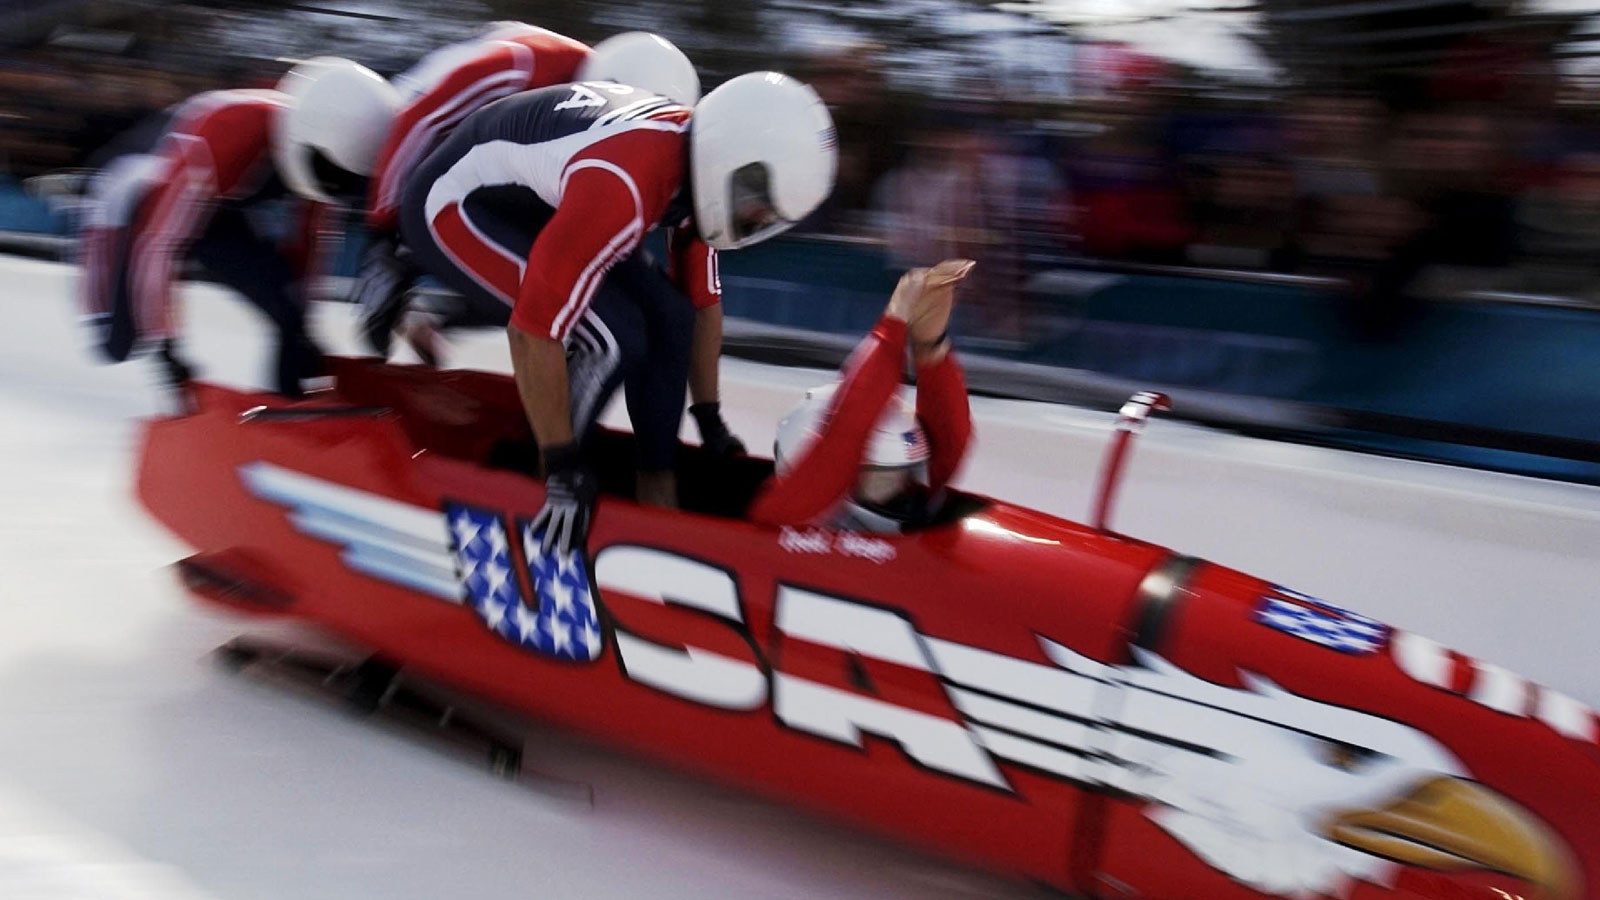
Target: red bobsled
<point>1053,701</point>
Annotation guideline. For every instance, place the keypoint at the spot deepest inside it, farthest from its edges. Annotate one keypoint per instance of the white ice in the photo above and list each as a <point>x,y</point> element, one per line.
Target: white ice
<point>130,768</point>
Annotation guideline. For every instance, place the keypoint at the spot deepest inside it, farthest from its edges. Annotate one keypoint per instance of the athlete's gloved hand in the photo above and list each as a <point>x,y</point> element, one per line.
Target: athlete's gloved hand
<point>714,433</point>
<point>570,492</point>
<point>385,275</point>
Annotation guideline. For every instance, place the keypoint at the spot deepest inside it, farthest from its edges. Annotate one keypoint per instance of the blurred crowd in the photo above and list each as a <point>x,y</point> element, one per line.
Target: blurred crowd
<point>57,112</point>
<point>1471,184</point>
<point>1480,179</point>
<point>64,97</point>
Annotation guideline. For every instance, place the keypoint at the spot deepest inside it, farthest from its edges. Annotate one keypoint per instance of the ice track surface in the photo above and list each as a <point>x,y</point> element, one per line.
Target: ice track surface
<point>131,768</point>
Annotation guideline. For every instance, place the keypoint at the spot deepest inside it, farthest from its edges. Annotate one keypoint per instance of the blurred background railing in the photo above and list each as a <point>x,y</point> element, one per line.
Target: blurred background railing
<point>1367,222</point>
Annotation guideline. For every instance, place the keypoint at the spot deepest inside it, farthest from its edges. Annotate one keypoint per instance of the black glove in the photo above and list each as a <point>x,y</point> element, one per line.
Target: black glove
<point>714,433</point>
<point>570,492</point>
<point>385,275</point>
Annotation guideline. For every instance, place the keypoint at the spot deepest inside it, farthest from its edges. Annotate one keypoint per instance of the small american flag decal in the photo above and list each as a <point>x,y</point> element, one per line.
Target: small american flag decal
<point>1320,622</point>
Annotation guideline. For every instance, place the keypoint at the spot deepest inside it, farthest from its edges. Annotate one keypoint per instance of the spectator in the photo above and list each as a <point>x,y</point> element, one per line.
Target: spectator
<point>1559,226</point>
<point>1449,164</point>
<point>1130,202</point>
<point>933,206</point>
<point>1451,220</point>
<point>871,127</point>
<point>1337,186</point>
<point>1246,214</point>
<point>971,189</point>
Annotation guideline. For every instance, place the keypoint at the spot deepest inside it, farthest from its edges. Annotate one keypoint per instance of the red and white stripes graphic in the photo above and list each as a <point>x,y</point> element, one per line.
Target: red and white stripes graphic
<point>1493,687</point>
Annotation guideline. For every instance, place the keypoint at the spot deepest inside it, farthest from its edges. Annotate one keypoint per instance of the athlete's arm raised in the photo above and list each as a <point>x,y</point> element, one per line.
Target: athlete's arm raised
<point>826,468</point>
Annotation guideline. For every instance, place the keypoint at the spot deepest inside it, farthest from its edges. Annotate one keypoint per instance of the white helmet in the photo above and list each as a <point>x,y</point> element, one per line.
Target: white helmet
<point>506,29</point>
<point>327,137</point>
<point>762,156</point>
<point>895,455</point>
<point>643,60</point>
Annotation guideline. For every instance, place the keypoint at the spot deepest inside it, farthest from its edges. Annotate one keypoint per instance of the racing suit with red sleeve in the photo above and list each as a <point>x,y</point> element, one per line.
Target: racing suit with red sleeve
<point>826,469</point>
<point>207,192</point>
<point>537,205</point>
<point>439,93</point>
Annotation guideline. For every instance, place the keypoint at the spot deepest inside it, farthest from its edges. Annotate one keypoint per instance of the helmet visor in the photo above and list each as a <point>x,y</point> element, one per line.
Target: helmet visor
<point>752,214</point>
<point>332,179</point>
<point>879,485</point>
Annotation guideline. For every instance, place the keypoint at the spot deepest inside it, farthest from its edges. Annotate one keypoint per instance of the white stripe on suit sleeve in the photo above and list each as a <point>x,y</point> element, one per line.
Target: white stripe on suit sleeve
<point>155,295</point>
<point>153,254</point>
<point>150,249</point>
<point>588,280</point>
<point>583,291</point>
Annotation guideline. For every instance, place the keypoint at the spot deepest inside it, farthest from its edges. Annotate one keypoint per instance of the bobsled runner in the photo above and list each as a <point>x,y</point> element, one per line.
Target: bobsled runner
<point>1050,700</point>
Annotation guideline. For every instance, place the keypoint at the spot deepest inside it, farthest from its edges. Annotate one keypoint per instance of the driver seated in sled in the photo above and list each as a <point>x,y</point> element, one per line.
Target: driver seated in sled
<point>857,456</point>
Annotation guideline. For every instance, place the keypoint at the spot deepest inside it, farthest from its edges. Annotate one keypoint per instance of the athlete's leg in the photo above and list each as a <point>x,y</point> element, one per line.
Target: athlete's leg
<point>606,348</point>
<point>110,309</point>
<point>656,387</point>
<point>235,255</point>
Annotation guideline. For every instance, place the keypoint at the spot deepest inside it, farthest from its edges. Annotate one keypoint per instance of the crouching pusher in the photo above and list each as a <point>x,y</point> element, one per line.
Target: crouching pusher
<point>537,204</point>
<point>213,190</point>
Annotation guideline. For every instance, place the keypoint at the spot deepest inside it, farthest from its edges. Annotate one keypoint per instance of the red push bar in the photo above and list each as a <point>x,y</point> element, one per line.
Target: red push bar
<point>1134,414</point>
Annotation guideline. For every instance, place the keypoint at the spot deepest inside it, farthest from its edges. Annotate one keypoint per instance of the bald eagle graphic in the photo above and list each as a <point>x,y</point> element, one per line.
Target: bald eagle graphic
<point>1298,798</point>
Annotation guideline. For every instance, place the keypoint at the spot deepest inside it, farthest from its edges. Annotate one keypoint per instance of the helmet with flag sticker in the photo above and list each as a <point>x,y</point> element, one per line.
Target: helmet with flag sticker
<point>896,453</point>
<point>643,60</point>
<point>326,138</point>
<point>762,156</point>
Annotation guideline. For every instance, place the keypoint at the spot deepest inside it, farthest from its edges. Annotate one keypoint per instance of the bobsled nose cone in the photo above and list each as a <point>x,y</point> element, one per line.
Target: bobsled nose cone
<point>1450,824</point>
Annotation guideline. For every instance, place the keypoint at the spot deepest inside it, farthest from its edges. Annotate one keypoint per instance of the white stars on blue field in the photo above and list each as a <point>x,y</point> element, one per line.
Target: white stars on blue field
<point>566,607</point>
<point>562,623</point>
